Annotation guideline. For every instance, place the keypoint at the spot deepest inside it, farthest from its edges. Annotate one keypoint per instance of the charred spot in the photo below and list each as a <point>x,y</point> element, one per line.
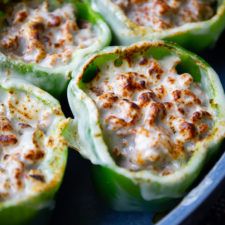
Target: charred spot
<point>38,26</point>
<point>129,84</point>
<point>5,157</point>
<point>146,97</point>
<point>143,62</point>
<point>142,84</point>
<point>160,91</point>
<point>178,150</point>
<point>157,110</point>
<point>14,109</point>
<point>34,155</point>
<point>38,177</point>
<point>59,44</point>
<point>171,80</point>
<point>54,21</point>
<point>162,6</point>
<point>5,124</point>
<point>133,112</point>
<point>176,94</point>
<point>24,125</point>
<point>83,24</point>
<point>116,152</point>
<point>18,173</point>
<point>134,106</point>
<point>203,128</point>
<point>137,1</point>
<point>181,110</point>
<point>196,116</point>
<point>108,99</point>
<point>166,172</point>
<point>97,90</point>
<point>11,43</point>
<point>200,116</point>
<point>129,59</point>
<point>168,105</point>
<point>8,139</point>
<point>11,91</point>
<point>129,81</point>
<point>37,135</point>
<point>50,141</point>
<point>20,17</point>
<point>57,111</point>
<point>116,122</point>
<point>155,69</point>
<point>188,130</point>
<point>191,94</point>
<point>206,114</point>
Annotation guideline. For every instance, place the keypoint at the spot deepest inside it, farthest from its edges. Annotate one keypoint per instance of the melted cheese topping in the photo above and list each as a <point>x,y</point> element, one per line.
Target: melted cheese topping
<point>49,38</point>
<point>152,117</point>
<point>161,14</point>
<point>25,144</point>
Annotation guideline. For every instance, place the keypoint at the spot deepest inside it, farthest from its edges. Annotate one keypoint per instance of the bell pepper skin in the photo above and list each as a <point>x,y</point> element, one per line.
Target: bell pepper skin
<point>193,36</point>
<point>55,80</point>
<point>23,210</point>
<point>140,190</point>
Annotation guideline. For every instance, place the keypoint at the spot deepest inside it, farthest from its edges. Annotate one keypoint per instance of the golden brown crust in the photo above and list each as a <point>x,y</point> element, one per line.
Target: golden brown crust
<point>27,145</point>
<point>152,116</point>
<point>162,14</point>
<point>39,35</point>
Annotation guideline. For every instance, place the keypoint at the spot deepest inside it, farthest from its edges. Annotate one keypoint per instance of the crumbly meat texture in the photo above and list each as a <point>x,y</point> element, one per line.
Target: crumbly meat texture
<point>25,144</point>
<point>162,14</point>
<point>35,34</point>
<point>152,117</point>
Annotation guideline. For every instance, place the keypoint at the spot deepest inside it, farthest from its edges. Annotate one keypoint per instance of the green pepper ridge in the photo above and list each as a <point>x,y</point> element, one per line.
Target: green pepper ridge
<point>55,80</point>
<point>195,36</point>
<point>135,191</point>
<point>23,210</point>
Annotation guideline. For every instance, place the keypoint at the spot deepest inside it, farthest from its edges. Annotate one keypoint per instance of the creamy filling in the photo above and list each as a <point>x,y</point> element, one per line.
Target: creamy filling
<point>151,116</point>
<point>35,34</point>
<point>162,14</point>
<point>25,144</point>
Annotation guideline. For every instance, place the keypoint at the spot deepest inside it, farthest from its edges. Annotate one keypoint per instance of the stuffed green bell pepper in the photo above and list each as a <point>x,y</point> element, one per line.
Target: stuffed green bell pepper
<point>147,116</point>
<point>195,24</point>
<point>33,151</point>
<point>45,40</point>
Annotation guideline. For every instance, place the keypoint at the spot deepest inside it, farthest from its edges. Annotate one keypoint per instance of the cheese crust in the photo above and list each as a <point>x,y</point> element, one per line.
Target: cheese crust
<point>162,14</point>
<point>36,34</point>
<point>152,117</point>
<point>27,145</point>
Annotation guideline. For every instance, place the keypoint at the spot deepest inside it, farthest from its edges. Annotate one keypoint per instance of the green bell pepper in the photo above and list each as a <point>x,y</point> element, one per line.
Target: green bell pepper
<point>52,78</point>
<point>139,189</point>
<point>194,36</point>
<point>33,151</point>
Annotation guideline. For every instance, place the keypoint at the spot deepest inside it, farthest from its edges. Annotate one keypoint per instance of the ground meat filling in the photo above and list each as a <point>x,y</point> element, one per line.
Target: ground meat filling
<point>162,14</point>
<point>23,128</point>
<point>35,34</point>
<point>151,116</point>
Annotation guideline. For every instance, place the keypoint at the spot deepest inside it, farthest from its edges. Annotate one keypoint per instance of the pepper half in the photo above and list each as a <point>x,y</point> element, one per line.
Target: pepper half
<point>33,151</point>
<point>195,36</point>
<point>148,117</point>
<point>43,41</point>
